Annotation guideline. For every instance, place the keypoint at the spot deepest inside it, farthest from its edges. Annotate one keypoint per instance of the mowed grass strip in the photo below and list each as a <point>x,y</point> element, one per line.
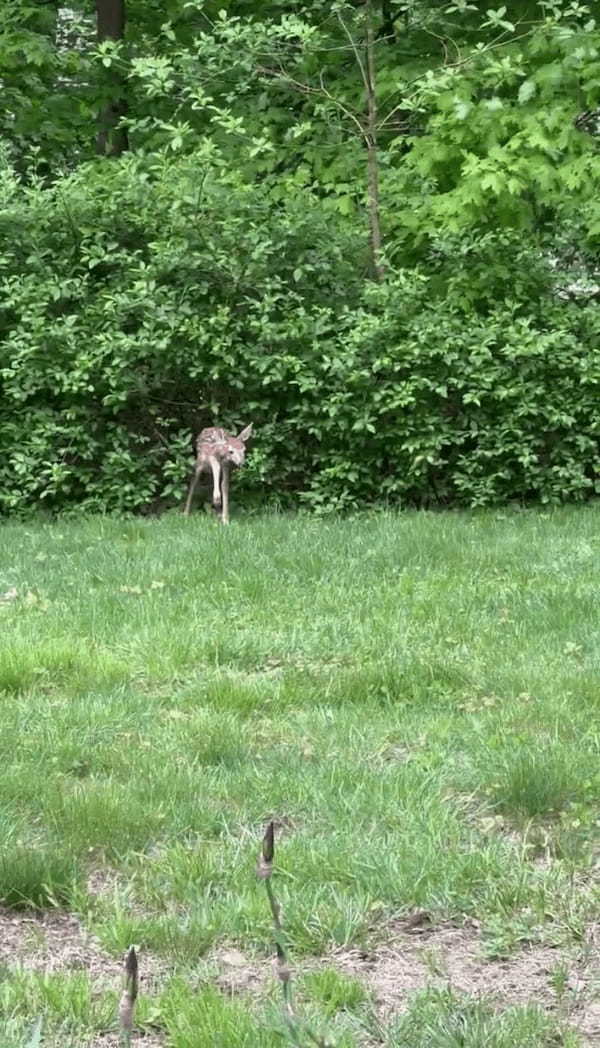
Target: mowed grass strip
<point>412,697</point>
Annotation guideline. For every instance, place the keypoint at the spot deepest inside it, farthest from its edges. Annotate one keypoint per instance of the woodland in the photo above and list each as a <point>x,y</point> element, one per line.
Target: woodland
<point>370,228</point>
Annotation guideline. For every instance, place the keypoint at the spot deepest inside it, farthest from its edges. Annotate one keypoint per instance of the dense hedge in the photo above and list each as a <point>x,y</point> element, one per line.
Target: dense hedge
<point>140,304</point>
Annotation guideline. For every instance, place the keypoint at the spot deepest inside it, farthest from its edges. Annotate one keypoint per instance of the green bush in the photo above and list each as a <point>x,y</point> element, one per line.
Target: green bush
<point>140,301</point>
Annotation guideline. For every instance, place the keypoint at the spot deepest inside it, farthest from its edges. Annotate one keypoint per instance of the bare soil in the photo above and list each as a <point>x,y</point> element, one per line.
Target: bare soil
<point>421,955</point>
<point>418,955</point>
<point>57,942</point>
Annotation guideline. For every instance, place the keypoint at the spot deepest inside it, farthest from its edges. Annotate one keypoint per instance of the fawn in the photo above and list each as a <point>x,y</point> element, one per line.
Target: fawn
<point>218,451</point>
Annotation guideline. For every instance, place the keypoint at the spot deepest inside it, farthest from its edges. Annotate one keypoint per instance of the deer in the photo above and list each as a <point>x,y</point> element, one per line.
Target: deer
<point>218,451</point>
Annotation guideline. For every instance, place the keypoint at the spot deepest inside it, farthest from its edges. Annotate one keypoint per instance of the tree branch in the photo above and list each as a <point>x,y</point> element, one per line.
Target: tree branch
<point>308,89</point>
<point>356,51</point>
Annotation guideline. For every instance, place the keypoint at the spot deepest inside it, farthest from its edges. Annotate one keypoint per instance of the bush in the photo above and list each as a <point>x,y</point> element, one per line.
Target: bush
<point>142,301</point>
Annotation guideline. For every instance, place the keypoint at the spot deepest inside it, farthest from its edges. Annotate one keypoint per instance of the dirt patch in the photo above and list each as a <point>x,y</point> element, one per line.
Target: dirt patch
<point>419,955</point>
<point>110,1040</point>
<point>57,942</point>
<point>234,972</point>
<point>52,942</point>
<point>103,882</point>
<point>446,956</point>
<point>422,956</point>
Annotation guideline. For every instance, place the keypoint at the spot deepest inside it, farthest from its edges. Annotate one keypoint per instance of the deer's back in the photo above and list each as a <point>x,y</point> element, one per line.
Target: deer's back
<point>209,440</point>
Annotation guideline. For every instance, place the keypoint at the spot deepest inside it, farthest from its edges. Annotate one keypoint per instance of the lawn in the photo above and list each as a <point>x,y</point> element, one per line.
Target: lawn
<point>412,698</point>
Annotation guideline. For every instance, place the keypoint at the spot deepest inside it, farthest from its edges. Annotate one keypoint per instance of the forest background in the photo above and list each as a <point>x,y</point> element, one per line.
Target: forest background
<point>370,228</point>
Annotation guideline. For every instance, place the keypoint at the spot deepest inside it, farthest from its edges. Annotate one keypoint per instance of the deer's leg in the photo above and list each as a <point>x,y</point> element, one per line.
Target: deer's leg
<point>193,483</point>
<point>215,466</point>
<point>225,491</point>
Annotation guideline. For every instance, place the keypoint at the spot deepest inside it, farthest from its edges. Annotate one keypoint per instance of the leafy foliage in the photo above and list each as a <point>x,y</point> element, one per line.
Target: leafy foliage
<point>192,299</point>
<point>219,271</point>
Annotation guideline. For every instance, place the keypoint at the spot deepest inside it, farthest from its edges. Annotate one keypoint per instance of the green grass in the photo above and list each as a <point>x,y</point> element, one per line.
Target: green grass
<point>545,782</point>
<point>335,991</point>
<point>414,697</point>
<point>37,877</point>
<point>441,1019</point>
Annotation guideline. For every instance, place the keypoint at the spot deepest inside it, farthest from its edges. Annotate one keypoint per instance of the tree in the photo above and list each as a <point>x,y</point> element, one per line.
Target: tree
<point>46,102</point>
<point>112,136</point>
<point>458,121</point>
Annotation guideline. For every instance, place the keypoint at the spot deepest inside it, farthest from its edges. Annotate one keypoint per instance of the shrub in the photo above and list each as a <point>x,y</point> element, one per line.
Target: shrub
<point>140,301</point>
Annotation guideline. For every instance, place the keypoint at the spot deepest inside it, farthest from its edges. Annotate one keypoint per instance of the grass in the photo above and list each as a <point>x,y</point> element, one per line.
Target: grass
<point>36,877</point>
<point>441,1019</point>
<point>413,697</point>
<point>335,991</point>
<point>543,782</point>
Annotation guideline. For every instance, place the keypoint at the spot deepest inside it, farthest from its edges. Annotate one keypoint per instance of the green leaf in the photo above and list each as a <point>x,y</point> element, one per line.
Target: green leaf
<point>462,109</point>
<point>527,91</point>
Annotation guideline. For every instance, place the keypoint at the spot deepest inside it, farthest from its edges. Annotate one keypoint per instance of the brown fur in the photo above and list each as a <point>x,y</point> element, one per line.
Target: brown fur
<point>218,452</point>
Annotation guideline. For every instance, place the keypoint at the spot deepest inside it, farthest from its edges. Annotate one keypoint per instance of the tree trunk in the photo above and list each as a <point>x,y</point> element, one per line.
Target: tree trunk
<point>111,140</point>
<point>388,31</point>
<point>371,140</point>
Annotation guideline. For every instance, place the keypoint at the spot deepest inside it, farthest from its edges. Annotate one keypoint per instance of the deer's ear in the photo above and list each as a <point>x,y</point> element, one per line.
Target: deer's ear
<point>245,434</point>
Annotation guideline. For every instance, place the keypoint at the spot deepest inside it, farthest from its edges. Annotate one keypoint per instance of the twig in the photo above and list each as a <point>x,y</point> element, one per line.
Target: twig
<point>471,57</point>
<point>359,61</point>
<point>264,872</point>
<point>347,112</point>
<point>308,89</point>
<point>128,997</point>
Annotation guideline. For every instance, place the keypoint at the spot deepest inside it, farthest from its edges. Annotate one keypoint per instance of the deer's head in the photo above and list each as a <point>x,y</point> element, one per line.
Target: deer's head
<point>235,450</point>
